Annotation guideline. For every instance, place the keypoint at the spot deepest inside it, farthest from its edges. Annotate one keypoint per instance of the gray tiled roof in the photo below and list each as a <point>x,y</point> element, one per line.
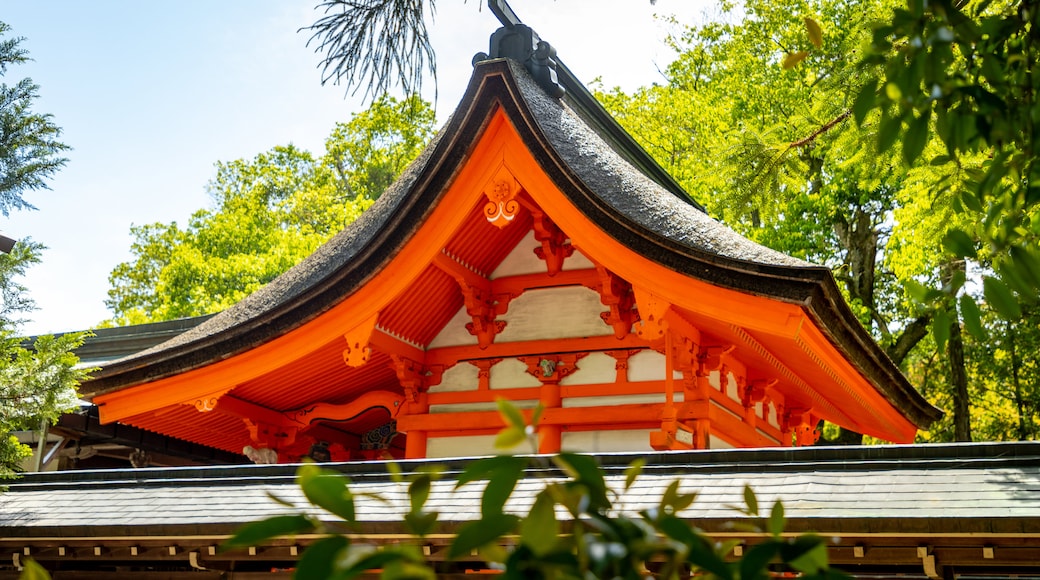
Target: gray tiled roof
<point>976,488</point>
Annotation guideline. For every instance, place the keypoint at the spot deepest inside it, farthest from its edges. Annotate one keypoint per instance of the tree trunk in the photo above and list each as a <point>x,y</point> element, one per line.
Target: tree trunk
<point>959,382</point>
<point>1020,404</point>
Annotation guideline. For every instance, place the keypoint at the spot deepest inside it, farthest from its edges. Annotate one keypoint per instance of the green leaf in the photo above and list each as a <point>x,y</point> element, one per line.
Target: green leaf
<point>792,59</point>
<point>1027,262</point>
<point>1000,298</point>
<point>584,470</point>
<point>776,523</point>
<point>419,491</point>
<point>540,530</point>
<point>916,137</point>
<point>701,553</point>
<point>815,32</point>
<point>421,523</point>
<point>632,472</point>
<point>865,101</point>
<point>972,317</point>
<point>490,467</point>
<point>750,501</point>
<point>755,562</point>
<point>327,490</point>
<point>511,414</point>
<point>253,533</point>
<point>959,243</point>
<point>319,559</point>
<point>510,437</point>
<point>941,328</point>
<point>499,488</point>
<point>32,570</point>
<point>888,131</point>
<point>473,535</point>
<point>813,557</point>
<point>940,160</point>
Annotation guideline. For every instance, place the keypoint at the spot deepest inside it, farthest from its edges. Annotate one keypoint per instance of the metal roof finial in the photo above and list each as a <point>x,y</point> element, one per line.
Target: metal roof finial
<point>521,43</point>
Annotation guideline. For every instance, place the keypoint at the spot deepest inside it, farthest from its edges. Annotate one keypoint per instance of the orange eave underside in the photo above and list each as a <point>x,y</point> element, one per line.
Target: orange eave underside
<point>500,145</point>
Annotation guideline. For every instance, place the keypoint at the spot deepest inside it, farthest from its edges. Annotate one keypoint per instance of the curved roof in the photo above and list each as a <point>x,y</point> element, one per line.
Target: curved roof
<point>591,168</point>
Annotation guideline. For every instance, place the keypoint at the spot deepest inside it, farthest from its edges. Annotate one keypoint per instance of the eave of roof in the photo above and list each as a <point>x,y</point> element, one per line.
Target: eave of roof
<point>586,166</point>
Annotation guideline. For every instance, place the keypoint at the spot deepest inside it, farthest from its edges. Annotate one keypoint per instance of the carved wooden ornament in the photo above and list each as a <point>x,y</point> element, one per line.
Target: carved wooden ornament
<point>501,193</point>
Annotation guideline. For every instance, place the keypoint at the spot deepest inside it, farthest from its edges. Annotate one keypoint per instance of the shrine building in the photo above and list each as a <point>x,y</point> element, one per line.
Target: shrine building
<point>532,252</point>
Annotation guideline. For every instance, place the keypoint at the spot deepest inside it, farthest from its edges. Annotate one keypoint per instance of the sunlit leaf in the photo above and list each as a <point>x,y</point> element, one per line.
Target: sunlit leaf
<point>32,570</point>
<point>750,501</point>
<point>916,138</point>
<point>632,472</point>
<point>792,59</point>
<point>776,523</point>
<point>815,32</point>
<point>510,437</point>
<point>511,414</point>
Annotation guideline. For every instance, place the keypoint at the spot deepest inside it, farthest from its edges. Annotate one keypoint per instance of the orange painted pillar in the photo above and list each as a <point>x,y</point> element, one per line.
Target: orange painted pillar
<point>415,442</point>
<point>550,437</point>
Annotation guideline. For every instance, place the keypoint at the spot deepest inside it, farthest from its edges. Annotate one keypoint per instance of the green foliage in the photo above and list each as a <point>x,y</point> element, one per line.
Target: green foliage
<point>38,381</point>
<point>576,527</point>
<point>270,213</point>
<point>964,71</point>
<point>30,152</point>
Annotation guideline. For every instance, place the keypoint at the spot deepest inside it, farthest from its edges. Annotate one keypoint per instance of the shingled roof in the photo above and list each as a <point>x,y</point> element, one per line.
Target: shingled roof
<point>883,503</point>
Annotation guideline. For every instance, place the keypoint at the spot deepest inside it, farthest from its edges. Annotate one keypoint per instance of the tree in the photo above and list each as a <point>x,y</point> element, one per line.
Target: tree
<point>37,382</point>
<point>269,213</point>
<point>30,152</point>
<point>964,72</point>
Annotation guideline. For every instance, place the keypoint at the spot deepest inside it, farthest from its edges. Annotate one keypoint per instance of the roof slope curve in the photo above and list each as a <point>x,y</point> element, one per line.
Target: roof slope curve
<point>609,191</point>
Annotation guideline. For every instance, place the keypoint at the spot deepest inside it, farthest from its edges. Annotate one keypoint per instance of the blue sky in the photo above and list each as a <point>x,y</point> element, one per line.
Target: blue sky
<point>151,95</point>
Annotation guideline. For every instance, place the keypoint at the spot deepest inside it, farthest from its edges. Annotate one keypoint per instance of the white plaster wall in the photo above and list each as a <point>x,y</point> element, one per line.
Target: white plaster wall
<point>551,313</point>
<point>732,389</point>
<point>595,369</point>
<point>613,400</point>
<point>648,365</point>
<point>454,332</point>
<point>465,446</point>
<point>715,442</point>
<point>606,441</point>
<point>511,373</point>
<point>461,377</point>
<point>523,260</point>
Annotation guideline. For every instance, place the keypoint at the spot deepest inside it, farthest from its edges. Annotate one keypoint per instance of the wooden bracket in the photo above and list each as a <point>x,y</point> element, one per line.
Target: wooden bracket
<point>208,402</point>
<point>551,369</point>
<point>478,298</point>
<point>555,246</point>
<point>652,325</point>
<point>306,416</point>
<point>358,351</point>
<point>616,293</point>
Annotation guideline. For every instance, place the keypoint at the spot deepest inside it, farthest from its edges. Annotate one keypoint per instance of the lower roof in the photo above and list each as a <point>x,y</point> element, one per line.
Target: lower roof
<point>963,508</point>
